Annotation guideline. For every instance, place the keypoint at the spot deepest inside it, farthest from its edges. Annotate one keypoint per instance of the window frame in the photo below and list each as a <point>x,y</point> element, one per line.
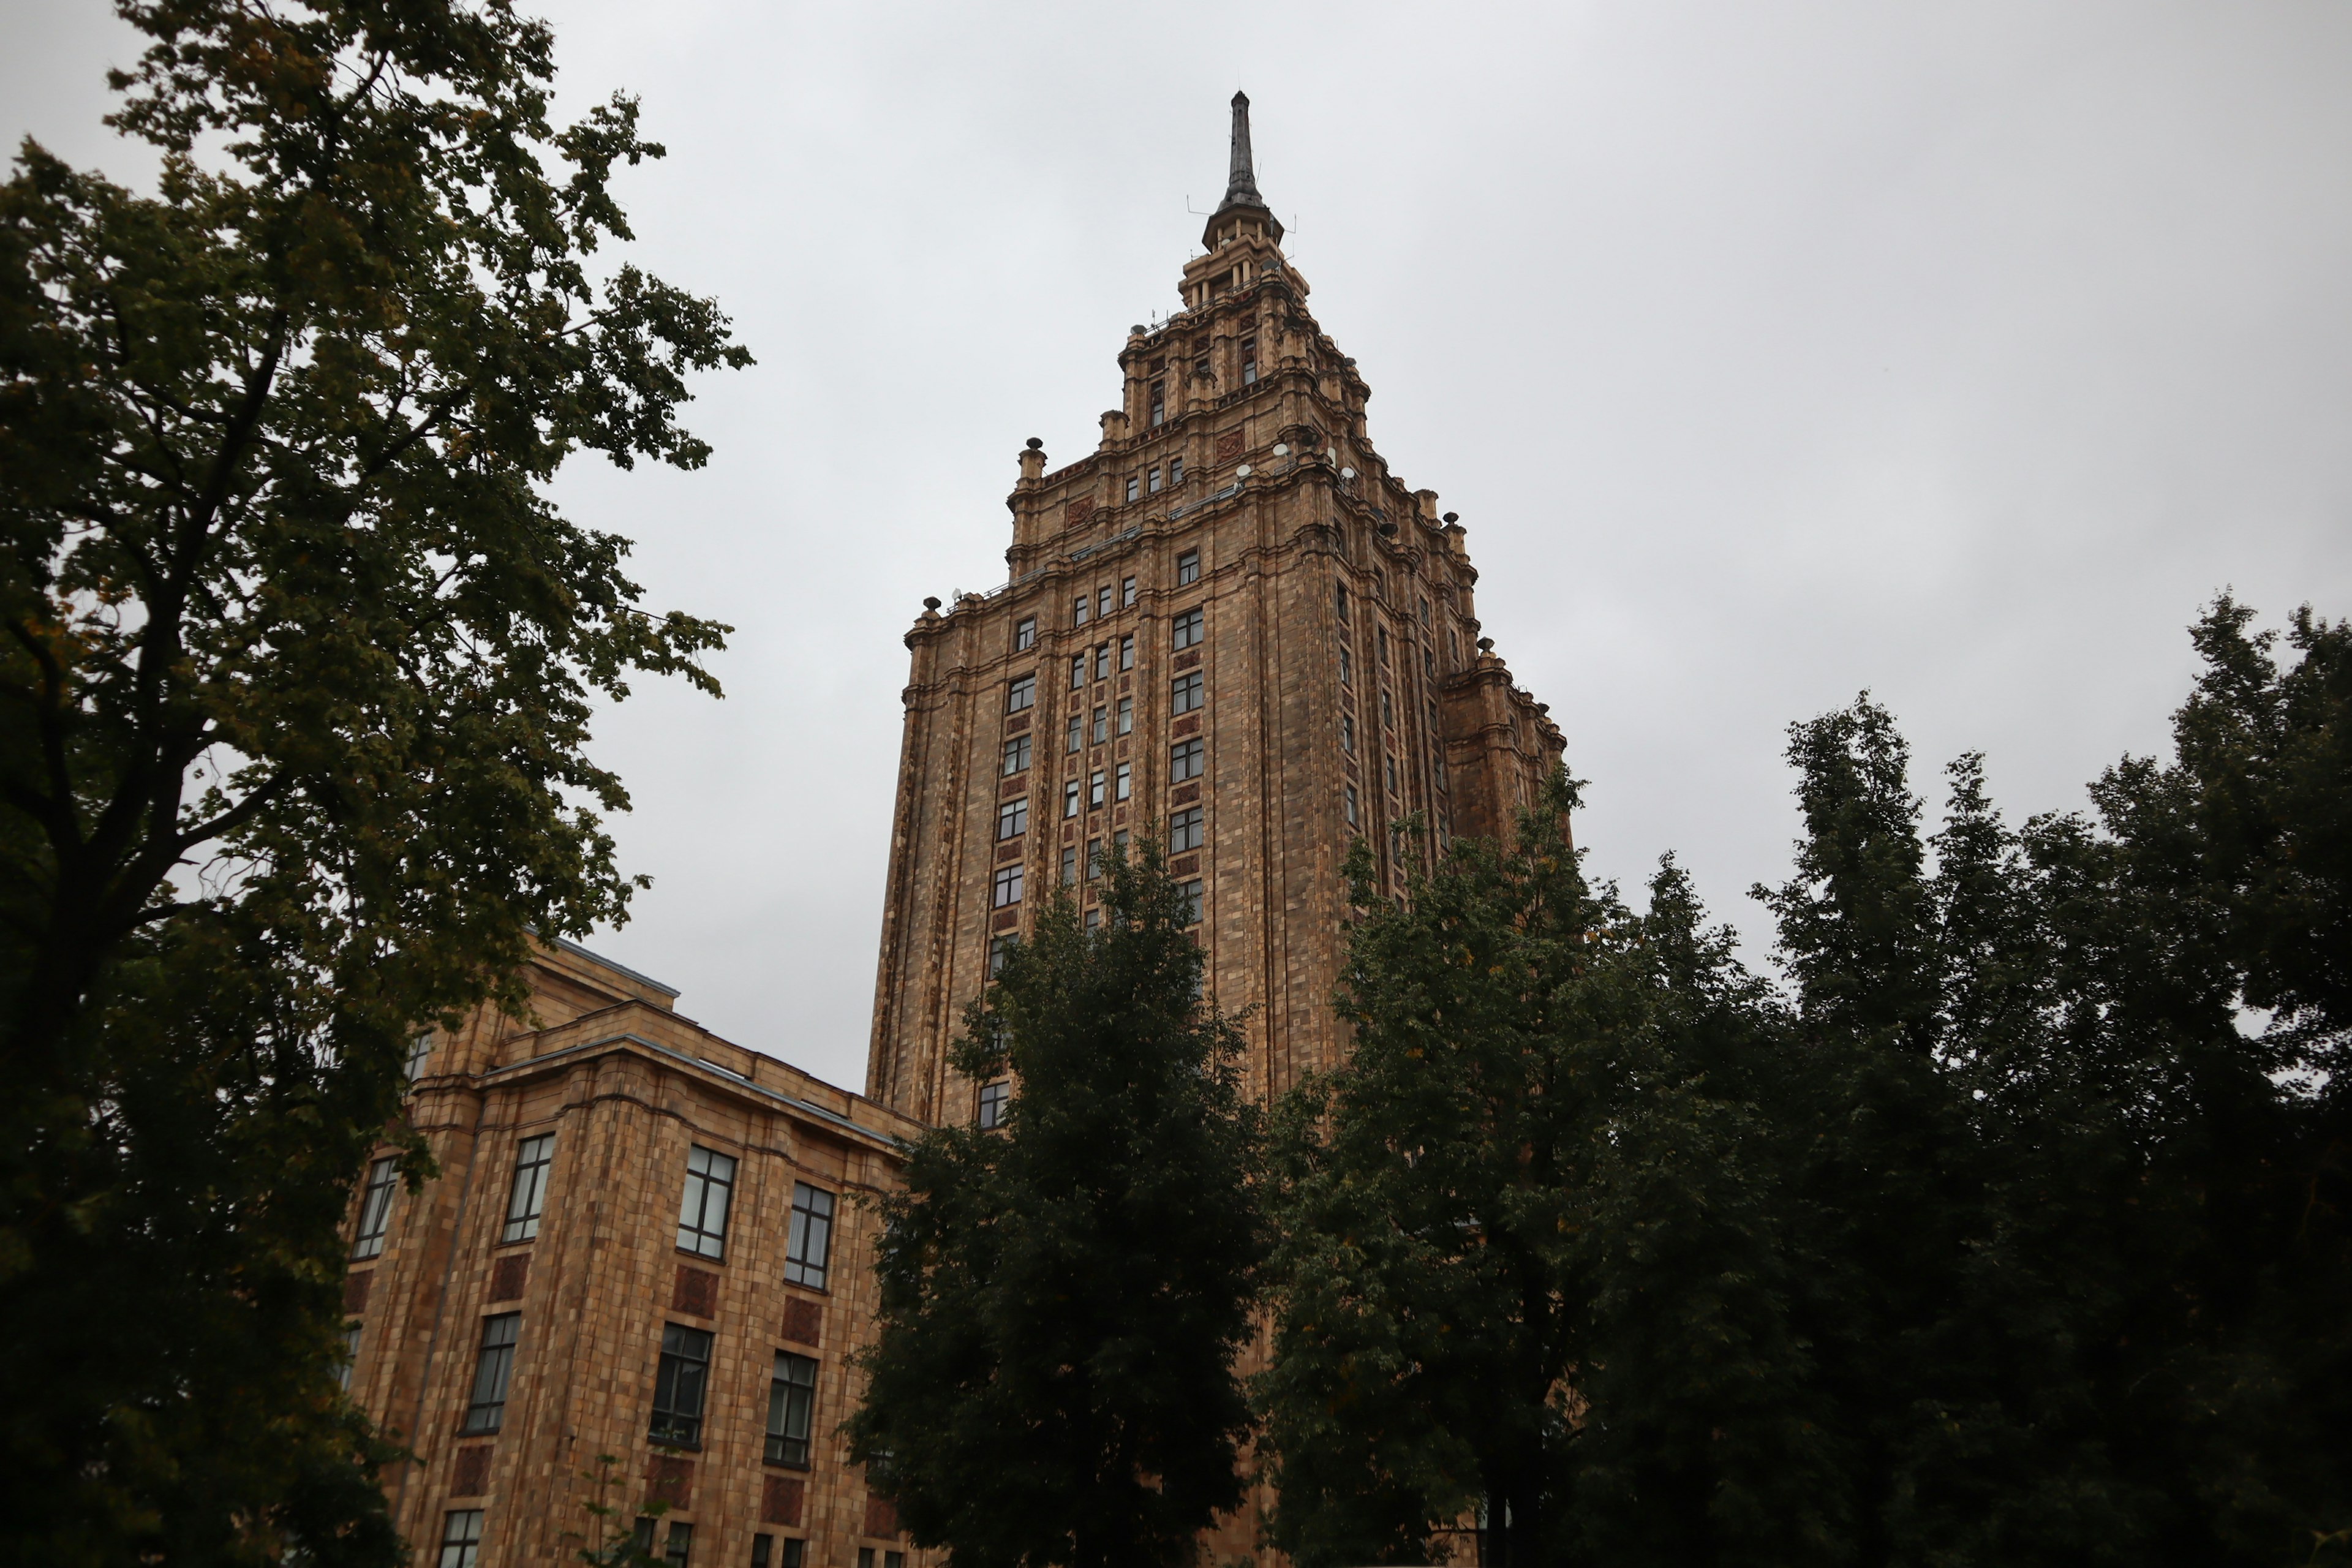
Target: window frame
<point>1188,568</point>
<point>1187,830</point>
<point>684,1364</point>
<point>1094,785</point>
<point>461,1538</point>
<point>1025,634</point>
<point>1102,728</point>
<point>494,1359</point>
<point>1187,760</point>
<point>995,1096</point>
<point>1188,629</point>
<point>1134,488</point>
<point>527,1188</point>
<point>1077,670</point>
<point>1127,651</point>
<point>707,1242</point>
<point>1011,818</point>
<point>1127,593</point>
<point>1021,693</point>
<point>810,1219</point>
<point>791,1403</point>
<point>1126,719</point>
<point>1187,693</point>
<point>1019,747</point>
<point>1123,781</point>
<point>1005,888</point>
<point>375,1208</point>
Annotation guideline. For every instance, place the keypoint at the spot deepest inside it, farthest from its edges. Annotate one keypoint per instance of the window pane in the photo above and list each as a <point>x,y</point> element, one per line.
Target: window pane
<point>1012,818</point>
<point>1025,634</point>
<point>1126,715</point>
<point>1188,567</point>
<point>461,1538</point>
<point>993,1098</point>
<point>529,1193</point>
<point>1185,760</point>
<point>1184,693</point>
<point>1122,780</point>
<point>811,1244</point>
<point>1184,830</point>
<point>1188,628</point>
<point>1016,754</point>
<point>1127,651</point>
<point>376,1210</point>
<point>702,1209</point>
<point>486,1411</point>
<point>679,1386</point>
<point>791,1406</point>
<point>1008,886</point>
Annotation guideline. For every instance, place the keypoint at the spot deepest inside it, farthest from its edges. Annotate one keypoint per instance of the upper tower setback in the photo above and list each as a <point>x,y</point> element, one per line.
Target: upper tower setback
<point>1230,626</point>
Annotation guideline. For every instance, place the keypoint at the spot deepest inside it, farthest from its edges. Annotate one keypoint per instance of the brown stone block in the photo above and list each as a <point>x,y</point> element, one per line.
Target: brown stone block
<point>672,1479</point>
<point>470,1475</point>
<point>781,1498</point>
<point>803,1320</point>
<point>695,1293</point>
<point>509,1275</point>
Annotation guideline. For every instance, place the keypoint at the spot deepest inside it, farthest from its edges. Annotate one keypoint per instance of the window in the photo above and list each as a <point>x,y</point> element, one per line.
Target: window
<point>1025,634</point>
<point>1382,634</point>
<point>1428,662</point>
<point>1094,919</point>
<point>461,1538</point>
<point>1352,806</point>
<point>1078,610</point>
<point>1134,486</point>
<point>1012,818</point>
<point>1184,831</point>
<point>1347,667</point>
<point>791,1403</point>
<point>763,1550</point>
<point>486,1411</point>
<point>1102,601</point>
<point>1021,694</point>
<point>1126,592</point>
<point>795,1554</point>
<point>679,1384</point>
<point>1201,371</point>
<point>1102,662</point>
<point>1008,885</point>
<point>420,1051</point>
<point>1249,361</point>
<point>1424,612</point>
<point>1437,768</point>
<point>528,1193</point>
<point>1184,693</point>
<point>1158,403</point>
<point>1388,713</point>
<point>866,1559</point>
<point>1122,780</point>
<point>1016,755</point>
<point>1094,859</point>
<point>1188,568</point>
<point>811,1245</point>
<point>998,948</point>
<point>1119,842</point>
<point>1127,651</point>
<point>1102,725</point>
<point>993,1098</point>
<point>1347,733</point>
<point>1077,670</point>
<point>1095,790</point>
<point>1453,647</point>
<point>1391,768</point>
<point>1185,760</point>
<point>1176,470</point>
<point>679,1549</point>
<point>376,1210</point>
<point>702,1213</point>
<point>1155,481</point>
<point>1187,629</point>
<point>1070,790</point>
<point>351,1357</point>
<point>1191,894</point>
<point>1069,864</point>
<point>1343,601</point>
<point>1077,734</point>
<point>1126,715</point>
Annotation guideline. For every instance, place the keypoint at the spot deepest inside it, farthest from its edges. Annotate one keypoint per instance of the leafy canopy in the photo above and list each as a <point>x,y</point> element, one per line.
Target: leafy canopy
<point>297,665</point>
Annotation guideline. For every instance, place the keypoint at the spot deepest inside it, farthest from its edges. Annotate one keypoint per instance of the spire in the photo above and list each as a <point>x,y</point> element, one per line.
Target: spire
<point>1240,183</point>
<point>1241,186</point>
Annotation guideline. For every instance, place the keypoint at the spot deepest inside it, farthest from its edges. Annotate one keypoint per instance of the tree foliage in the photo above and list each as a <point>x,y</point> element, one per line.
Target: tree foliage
<point>297,665</point>
<point>1062,1298</point>
<point>2004,1235</point>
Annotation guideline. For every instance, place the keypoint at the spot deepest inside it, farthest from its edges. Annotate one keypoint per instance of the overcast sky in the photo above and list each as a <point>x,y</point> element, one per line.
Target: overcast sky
<point>1769,352</point>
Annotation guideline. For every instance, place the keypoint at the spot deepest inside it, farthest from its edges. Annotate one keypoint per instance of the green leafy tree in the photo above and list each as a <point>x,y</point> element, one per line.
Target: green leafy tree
<point>1531,1263</point>
<point>297,665</point>
<point>1062,1298</point>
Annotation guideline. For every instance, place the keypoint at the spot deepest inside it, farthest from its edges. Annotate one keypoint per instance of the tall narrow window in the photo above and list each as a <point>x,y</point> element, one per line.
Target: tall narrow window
<point>1102,601</point>
<point>1428,662</point>
<point>1188,568</point>
<point>461,1538</point>
<point>1095,790</point>
<point>810,1247</point>
<point>1077,670</point>
<point>679,1386</point>
<point>528,1194</point>
<point>1437,771</point>
<point>791,1405</point>
<point>1102,662</point>
<point>1388,713</point>
<point>1077,735</point>
<point>1016,755</point>
<point>1126,715</point>
<point>1352,806</point>
<point>1024,633</point>
<point>1158,403</point>
<point>1012,818</point>
<point>1070,790</point>
<point>1069,864</point>
<point>1185,629</point>
<point>1078,610</point>
<point>1381,635</point>
<point>1249,361</point>
<point>1184,831</point>
<point>351,1357</point>
<point>1343,600</point>
<point>1347,667</point>
<point>1175,470</point>
<point>1122,780</point>
<point>1102,725</point>
<point>702,1210</point>
<point>999,948</point>
<point>994,1098</point>
<point>1184,693</point>
<point>1185,760</point>
<point>1424,612</point>
<point>376,1210</point>
<point>1191,894</point>
<point>1094,859</point>
<point>1118,842</point>
<point>1126,592</point>
<point>1393,775</point>
<point>420,1051</point>
<point>1008,885</point>
<point>1134,486</point>
<point>494,1364</point>
<point>1155,481</point>
<point>1347,733</point>
<point>1127,651</point>
<point>1021,693</point>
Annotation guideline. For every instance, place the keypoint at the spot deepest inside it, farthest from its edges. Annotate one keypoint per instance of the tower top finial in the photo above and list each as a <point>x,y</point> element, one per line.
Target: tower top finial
<point>1241,181</point>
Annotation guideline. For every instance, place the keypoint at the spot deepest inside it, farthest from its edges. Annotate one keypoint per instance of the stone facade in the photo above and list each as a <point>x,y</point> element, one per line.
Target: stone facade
<point>1342,682</point>
<point>628,1089</point>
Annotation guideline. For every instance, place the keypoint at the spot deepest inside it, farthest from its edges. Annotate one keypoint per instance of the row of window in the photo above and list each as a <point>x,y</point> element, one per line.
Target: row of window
<point>702,1214</point>
<point>1104,600</point>
<point>461,1545</point>
<point>1164,478</point>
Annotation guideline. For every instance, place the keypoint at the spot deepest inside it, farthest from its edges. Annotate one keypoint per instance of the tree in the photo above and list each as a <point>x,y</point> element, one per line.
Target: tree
<point>1530,1262</point>
<point>295,684</point>
<point>1062,1297</point>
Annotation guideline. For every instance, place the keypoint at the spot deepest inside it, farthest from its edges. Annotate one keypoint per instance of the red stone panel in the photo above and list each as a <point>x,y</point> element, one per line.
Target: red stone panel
<point>470,1475</point>
<point>696,1293</point>
<point>509,1275</point>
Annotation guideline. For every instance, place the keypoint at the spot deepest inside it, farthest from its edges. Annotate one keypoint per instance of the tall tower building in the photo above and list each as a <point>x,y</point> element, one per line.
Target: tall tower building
<point>1230,625</point>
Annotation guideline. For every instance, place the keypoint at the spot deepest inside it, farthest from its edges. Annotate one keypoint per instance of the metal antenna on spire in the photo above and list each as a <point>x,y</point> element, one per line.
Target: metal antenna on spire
<point>1242,185</point>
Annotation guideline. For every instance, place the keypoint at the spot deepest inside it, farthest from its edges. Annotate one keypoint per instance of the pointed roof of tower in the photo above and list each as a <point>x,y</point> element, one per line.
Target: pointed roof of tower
<point>1241,181</point>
